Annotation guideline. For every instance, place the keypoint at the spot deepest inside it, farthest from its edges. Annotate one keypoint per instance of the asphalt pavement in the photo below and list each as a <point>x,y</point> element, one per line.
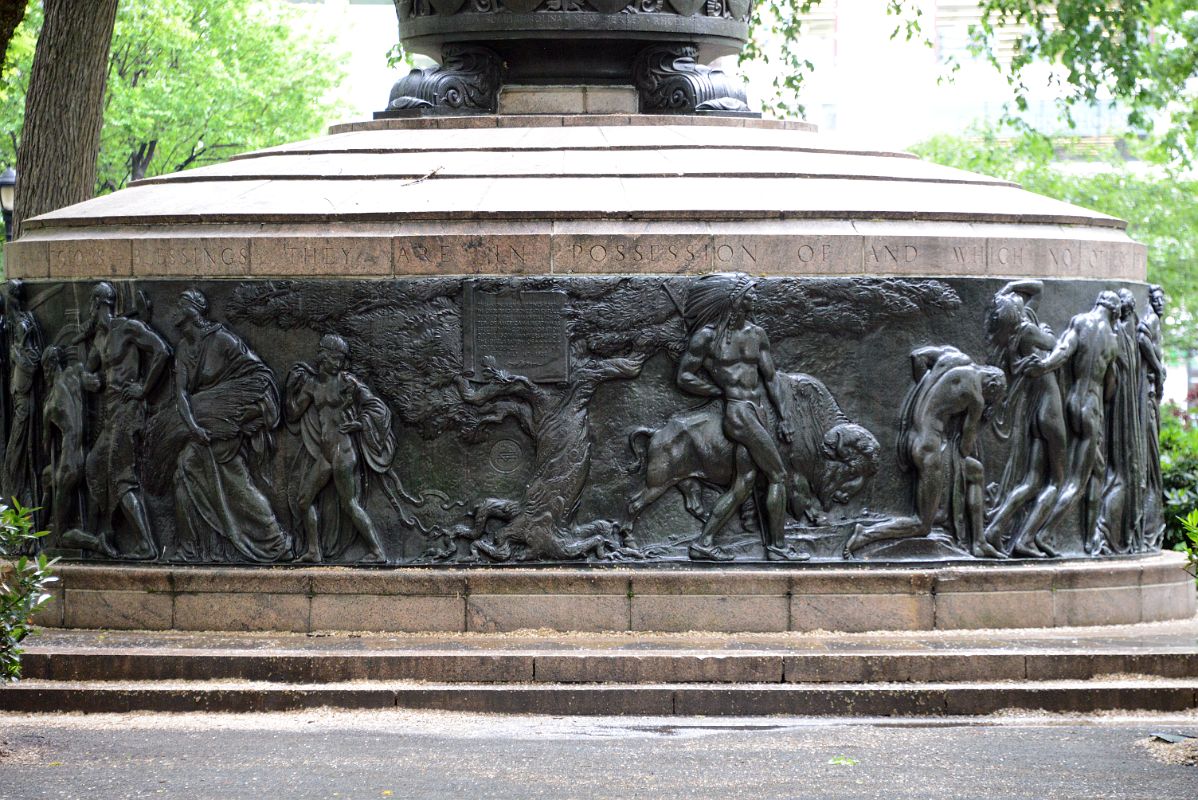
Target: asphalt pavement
<point>399,754</point>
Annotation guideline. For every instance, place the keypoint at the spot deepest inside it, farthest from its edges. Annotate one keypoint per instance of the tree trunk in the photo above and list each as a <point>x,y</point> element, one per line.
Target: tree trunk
<point>11,14</point>
<point>64,109</point>
<point>139,160</point>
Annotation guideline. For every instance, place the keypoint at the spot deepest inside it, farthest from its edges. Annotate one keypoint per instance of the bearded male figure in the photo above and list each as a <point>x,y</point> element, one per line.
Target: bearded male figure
<point>126,359</point>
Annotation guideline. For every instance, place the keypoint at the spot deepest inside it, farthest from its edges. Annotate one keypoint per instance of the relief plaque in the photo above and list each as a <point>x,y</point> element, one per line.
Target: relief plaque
<point>524,332</point>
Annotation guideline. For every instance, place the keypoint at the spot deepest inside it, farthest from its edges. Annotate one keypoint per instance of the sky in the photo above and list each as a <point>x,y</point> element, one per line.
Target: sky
<point>867,85</point>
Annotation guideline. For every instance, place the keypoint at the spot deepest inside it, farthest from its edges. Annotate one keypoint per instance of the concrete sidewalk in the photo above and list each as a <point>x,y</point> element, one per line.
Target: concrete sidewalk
<point>404,754</point>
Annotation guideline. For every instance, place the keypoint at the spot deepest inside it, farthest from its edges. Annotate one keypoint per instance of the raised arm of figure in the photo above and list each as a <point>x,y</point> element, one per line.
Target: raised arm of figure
<point>153,347</point>
<point>1029,290</point>
<point>1061,353</point>
<point>690,367</point>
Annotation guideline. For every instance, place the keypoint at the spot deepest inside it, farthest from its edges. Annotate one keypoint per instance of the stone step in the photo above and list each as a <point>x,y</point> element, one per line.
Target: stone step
<point>536,666</point>
<point>839,699</point>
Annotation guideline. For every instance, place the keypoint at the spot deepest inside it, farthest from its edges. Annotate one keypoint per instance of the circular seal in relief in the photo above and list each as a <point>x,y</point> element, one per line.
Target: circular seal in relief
<point>506,455</point>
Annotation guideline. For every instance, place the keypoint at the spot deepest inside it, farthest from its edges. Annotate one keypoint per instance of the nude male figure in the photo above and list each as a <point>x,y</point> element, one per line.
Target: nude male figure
<point>1033,417</point>
<point>729,358</point>
<point>1090,347</point>
<point>941,421</point>
<point>125,361</point>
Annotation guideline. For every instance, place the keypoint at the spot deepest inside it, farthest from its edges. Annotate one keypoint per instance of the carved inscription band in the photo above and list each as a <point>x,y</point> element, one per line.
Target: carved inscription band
<point>566,254</point>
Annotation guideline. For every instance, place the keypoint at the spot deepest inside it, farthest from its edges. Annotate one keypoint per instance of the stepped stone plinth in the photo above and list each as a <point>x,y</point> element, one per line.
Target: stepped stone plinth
<point>632,358</point>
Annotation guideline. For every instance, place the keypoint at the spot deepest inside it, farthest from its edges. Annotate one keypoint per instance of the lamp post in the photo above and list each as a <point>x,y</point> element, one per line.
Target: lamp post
<point>8,190</point>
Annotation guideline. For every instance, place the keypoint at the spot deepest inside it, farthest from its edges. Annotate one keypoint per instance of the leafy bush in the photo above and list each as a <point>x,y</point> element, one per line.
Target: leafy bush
<point>1189,524</point>
<point>23,588</point>
<point>1179,474</point>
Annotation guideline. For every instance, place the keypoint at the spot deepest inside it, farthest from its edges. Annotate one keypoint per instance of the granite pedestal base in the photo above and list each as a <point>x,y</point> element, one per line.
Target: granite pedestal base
<point>841,598</point>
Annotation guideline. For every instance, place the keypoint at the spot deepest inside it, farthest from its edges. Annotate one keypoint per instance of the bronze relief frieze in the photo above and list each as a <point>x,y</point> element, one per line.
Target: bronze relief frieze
<point>565,419</point>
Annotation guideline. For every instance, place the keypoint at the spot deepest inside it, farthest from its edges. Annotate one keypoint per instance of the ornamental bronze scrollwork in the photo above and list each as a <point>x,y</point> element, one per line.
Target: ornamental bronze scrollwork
<point>669,78</point>
<point>467,79</point>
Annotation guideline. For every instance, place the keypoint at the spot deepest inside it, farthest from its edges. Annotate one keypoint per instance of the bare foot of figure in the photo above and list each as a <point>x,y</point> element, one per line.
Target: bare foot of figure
<point>140,554</point>
<point>987,550</point>
<point>1027,551</point>
<point>373,557</point>
<point>310,556</point>
<point>851,544</point>
<point>1049,552</point>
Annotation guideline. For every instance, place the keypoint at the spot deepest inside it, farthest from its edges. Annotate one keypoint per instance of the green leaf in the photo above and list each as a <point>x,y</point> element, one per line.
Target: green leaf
<point>193,82</point>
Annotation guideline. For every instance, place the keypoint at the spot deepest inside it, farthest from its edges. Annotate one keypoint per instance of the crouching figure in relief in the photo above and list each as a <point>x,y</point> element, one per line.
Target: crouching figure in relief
<point>938,433</point>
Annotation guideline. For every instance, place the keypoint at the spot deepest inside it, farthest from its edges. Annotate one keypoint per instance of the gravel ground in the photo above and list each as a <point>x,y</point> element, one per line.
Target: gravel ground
<point>400,754</point>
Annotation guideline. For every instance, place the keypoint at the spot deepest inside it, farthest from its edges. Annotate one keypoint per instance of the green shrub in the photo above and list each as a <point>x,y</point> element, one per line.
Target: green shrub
<point>1189,524</point>
<point>1179,475</point>
<point>23,588</point>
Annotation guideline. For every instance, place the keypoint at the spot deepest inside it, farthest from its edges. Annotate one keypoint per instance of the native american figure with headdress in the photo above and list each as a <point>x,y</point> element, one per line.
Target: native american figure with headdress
<point>728,359</point>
